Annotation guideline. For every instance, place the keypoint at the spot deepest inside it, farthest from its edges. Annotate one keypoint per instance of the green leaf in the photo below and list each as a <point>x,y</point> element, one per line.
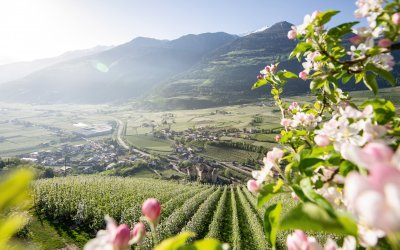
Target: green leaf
<point>299,49</point>
<point>346,78</point>
<point>271,223</point>
<point>175,243</point>
<point>326,16</point>
<point>317,83</point>
<point>311,217</point>
<point>382,73</point>
<point>359,77</point>
<point>341,29</point>
<point>370,82</point>
<point>310,193</point>
<point>288,74</point>
<point>274,92</point>
<point>308,165</point>
<point>259,83</point>
<point>209,244</point>
<point>268,192</point>
<point>14,190</point>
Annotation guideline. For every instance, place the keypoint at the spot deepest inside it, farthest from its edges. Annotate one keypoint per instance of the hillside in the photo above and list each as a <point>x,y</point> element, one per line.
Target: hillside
<point>193,71</point>
<point>124,72</point>
<point>15,71</point>
<point>227,213</point>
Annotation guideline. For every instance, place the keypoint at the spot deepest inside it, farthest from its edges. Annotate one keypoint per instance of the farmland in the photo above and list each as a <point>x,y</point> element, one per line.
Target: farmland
<point>185,207</point>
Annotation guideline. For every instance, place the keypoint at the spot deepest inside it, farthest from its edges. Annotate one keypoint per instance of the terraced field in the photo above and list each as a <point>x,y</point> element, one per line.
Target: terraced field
<point>227,213</point>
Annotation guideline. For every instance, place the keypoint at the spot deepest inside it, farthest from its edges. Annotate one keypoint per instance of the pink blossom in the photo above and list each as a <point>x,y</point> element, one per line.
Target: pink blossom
<point>253,186</point>
<point>273,68</point>
<point>138,233</point>
<point>151,209</point>
<point>303,75</point>
<point>122,237</point>
<point>292,34</point>
<point>374,153</point>
<point>322,140</point>
<point>114,237</point>
<point>396,18</point>
<point>274,156</point>
<point>356,40</point>
<point>298,240</point>
<point>384,43</point>
<point>259,77</point>
<point>294,106</point>
<point>277,138</point>
<point>286,122</point>
<point>375,199</point>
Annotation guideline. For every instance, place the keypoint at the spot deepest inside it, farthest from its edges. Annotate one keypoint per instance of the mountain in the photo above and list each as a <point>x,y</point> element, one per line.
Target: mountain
<point>226,75</point>
<point>120,73</point>
<point>15,71</point>
<point>193,71</point>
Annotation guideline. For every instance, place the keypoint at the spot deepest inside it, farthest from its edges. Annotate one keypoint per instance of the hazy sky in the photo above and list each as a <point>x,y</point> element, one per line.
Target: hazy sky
<point>31,29</point>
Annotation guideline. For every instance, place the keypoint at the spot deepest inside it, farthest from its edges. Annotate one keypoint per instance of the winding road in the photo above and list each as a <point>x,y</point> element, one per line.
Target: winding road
<point>122,143</point>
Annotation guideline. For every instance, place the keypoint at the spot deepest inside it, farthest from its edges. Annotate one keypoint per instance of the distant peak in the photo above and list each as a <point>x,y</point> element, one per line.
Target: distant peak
<point>282,24</point>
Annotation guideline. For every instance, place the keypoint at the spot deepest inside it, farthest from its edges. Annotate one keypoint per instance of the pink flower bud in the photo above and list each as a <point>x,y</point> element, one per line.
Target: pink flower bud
<point>378,152</point>
<point>138,233</point>
<point>356,40</point>
<point>277,138</point>
<point>253,186</point>
<point>384,43</point>
<point>259,77</point>
<point>292,34</point>
<point>396,18</point>
<point>121,237</point>
<point>273,68</point>
<point>322,140</point>
<point>151,209</point>
<point>303,75</point>
<point>267,68</point>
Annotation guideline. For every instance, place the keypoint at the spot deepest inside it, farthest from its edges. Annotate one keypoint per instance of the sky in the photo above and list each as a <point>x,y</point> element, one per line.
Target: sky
<point>33,29</point>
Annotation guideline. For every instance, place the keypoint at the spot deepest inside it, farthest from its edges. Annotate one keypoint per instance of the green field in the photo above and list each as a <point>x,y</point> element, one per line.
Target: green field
<point>227,154</point>
<point>227,213</point>
<point>150,143</point>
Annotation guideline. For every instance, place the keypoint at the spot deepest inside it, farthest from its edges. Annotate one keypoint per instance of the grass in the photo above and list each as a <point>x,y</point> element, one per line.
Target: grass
<point>44,235</point>
<point>150,143</point>
<point>227,154</point>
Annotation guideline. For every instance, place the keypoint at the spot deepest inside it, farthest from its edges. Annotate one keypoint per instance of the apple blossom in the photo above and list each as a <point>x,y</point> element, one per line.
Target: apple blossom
<point>298,240</point>
<point>356,40</point>
<point>138,233</point>
<point>286,122</point>
<point>372,154</point>
<point>303,75</point>
<point>384,43</point>
<point>292,34</point>
<point>322,140</point>
<point>277,138</point>
<point>396,18</point>
<point>274,156</point>
<point>294,106</point>
<point>375,199</point>
<point>253,186</point>
<point>113,238</point>
<point>151,209</point>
